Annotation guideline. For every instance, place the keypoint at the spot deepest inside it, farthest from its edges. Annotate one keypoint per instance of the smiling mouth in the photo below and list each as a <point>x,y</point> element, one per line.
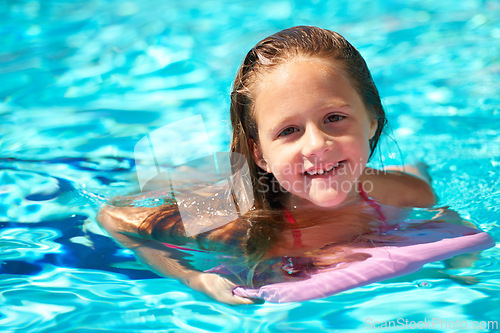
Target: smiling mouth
<point>320,172</point>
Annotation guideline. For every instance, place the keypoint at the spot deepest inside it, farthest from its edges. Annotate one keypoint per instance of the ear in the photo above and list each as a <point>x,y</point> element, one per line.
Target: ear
<point>373,127</point>
<point>257,155</point>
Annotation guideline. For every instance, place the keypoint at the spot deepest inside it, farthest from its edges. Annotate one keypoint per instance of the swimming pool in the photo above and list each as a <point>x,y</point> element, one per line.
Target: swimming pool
<point>83,81</point>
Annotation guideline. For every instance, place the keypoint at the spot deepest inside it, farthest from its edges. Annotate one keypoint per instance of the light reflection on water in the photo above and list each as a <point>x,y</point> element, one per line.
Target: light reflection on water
<point>82,81</point>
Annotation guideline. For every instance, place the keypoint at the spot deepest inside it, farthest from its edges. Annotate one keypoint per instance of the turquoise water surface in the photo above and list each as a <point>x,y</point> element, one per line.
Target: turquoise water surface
<point>82,81</point>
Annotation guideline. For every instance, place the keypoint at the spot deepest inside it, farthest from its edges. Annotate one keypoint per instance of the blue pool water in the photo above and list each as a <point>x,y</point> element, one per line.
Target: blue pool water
<point>82,81</point>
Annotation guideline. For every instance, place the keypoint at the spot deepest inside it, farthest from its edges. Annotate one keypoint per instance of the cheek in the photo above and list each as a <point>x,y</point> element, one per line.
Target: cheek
<point>357,143</point>
<point>285,172</point>
<point>282,170</point>
<point>282,160</point>
<point>358,150</point>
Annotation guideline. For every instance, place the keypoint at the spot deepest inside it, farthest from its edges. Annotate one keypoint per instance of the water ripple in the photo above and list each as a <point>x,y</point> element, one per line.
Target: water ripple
<point>28,244</point>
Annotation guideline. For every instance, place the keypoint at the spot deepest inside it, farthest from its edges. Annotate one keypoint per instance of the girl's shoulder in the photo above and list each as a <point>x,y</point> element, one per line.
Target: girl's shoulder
<point>397,188</point>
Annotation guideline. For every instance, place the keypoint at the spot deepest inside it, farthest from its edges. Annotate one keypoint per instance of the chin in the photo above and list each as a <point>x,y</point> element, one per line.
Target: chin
<point>329,202</point>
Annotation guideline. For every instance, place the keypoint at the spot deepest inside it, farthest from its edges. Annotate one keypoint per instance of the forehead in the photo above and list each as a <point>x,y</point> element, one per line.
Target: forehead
<point>302,84</point>
<point>291,68</point>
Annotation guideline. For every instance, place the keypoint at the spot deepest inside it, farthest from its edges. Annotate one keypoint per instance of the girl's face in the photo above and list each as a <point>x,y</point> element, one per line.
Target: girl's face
<point>314,131</point>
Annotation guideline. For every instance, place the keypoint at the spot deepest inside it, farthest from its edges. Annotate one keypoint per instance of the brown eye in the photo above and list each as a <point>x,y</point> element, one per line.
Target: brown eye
<point>334,118</point>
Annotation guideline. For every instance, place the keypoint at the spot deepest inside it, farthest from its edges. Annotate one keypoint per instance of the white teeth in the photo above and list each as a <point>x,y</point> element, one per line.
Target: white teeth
<point>321,171</point>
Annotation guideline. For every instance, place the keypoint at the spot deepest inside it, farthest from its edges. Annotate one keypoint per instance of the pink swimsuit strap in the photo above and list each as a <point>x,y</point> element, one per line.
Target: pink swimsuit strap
<point>374,204</point>
<point>172,246</point>
<point>297,236</point>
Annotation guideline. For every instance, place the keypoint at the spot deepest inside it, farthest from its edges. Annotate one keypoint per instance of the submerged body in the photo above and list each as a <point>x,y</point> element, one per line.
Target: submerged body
<point>149,231</point>
<point>346,248</point>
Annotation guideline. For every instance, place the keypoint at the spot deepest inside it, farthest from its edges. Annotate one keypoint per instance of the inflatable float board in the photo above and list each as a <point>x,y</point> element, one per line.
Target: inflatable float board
<point>396,253</point>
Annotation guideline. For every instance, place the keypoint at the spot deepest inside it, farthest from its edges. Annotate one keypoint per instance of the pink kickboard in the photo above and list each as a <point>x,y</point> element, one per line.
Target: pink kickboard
<point>400,252</point>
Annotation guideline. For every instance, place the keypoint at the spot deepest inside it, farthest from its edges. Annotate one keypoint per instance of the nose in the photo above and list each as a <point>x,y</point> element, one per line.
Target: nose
<point>316,142</point>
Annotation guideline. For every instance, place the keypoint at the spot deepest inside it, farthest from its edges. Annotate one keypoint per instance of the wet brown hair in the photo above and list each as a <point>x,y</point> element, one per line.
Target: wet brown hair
<point>301,41</point>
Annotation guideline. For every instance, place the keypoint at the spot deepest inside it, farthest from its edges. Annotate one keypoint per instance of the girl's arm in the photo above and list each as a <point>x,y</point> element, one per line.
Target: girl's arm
<point>123,225</point>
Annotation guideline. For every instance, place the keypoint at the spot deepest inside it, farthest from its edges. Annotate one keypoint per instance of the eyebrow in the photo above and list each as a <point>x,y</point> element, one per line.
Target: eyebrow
<point>279,124</point>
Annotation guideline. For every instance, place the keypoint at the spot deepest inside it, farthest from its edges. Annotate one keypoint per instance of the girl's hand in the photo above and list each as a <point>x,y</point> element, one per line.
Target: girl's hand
<point>216,287</point>
<point>123,225</point>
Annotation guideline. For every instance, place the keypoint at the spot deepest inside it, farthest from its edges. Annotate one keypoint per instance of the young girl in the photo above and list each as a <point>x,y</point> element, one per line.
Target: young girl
<point>307,116</point>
